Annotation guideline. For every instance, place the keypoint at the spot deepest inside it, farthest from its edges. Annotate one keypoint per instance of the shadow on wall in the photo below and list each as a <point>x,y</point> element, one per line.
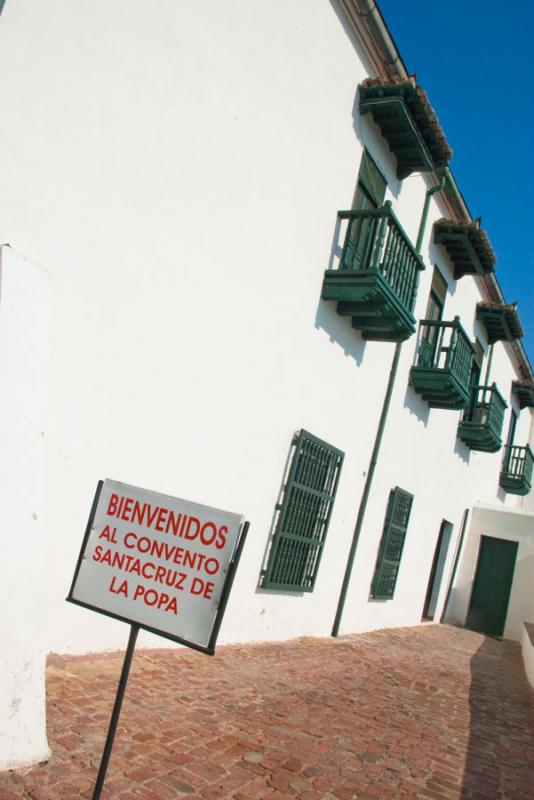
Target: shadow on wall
<point>501,495</point>
<point>2,4</point>
<point>413,402</point>
<point>366,130</point>
<point>437,254</point>
<point>416,405</point>
<point>521,607</point>
<point>339,329</point>
<point>393,183</point>
<point>500,747</point>
<point>455,612</point>
<point>272,530</point>
<point>462,450</point>
<point>364,126</point>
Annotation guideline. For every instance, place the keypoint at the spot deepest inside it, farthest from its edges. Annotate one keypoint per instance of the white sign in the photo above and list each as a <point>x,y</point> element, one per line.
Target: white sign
<point>156,561</point>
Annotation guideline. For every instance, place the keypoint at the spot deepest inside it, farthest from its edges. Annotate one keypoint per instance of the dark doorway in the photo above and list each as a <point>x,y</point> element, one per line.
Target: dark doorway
<point>436,573</point>
<point>492,586</point>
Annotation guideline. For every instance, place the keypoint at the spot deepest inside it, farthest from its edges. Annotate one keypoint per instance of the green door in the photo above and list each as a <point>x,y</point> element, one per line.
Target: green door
<point>492,586</point>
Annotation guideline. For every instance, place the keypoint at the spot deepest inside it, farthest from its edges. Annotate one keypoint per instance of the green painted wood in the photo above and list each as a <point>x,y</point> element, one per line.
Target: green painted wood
<point>376,283</point>
<point>373,183</point>
<point>468,247</point>
<point>524,391</point>
<point>438,292</point>
<point>391,544</point>
<point>501,321</point>
<point>408,123</point>
<point>482,424</point>
<point>369,195</point>
<point>442,372</point>
<point>434,311</point>
<point>516,469</point>
<point>303,515</point>
<point>492,586</point>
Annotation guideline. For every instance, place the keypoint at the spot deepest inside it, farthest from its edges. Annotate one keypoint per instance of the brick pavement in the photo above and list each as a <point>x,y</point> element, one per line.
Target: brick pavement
<point>433,713</point>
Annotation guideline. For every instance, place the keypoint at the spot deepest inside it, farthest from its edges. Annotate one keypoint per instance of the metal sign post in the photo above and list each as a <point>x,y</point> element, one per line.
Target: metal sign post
<point>134,630</point>
<point>160,563</point>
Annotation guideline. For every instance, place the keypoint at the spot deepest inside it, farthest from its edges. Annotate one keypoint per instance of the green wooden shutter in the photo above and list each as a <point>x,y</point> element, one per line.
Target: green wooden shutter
<point>370,193</point>
<point>438,289</point>
<point>391,544</point>
<point>372,179</point>
<point>304,515</point>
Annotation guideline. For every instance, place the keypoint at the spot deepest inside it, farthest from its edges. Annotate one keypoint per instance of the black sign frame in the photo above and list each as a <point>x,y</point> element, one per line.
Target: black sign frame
<point>209,649</point>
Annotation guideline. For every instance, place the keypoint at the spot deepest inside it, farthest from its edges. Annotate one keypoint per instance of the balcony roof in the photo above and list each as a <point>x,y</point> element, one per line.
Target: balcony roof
<point>408,122</point>
<point>468,246</point>
<point>524,391</point>
<point>501,321</point>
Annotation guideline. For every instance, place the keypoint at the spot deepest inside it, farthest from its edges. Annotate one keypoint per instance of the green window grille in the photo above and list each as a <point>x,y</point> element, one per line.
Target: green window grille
<point>391,544</point>
<point>303,515</point>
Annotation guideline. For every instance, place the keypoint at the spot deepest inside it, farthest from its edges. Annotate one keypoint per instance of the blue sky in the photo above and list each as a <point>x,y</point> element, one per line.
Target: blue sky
<point>474,60</point>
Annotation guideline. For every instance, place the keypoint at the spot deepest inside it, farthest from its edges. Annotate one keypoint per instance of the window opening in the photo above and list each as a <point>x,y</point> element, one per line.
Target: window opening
<point>304,515</point>
<point>434,312</point>
<point>391,544</point>
<point>370,193</point>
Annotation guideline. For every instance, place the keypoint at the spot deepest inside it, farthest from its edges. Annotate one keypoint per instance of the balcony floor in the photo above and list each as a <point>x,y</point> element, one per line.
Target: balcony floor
<point>439,387</point>
<point>479,436</point>
<point>368,298</point>
<point>519,486</point>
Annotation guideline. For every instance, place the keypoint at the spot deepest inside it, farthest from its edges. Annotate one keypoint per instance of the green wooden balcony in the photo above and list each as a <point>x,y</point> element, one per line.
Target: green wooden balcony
<point>468,247</point>
<point>408,123</point>
<point>501,321</point>
<point>442,371</point>
<point>481,426</point>
<point>524,391</point>
<point>376,282</point>
<point>516,469</point>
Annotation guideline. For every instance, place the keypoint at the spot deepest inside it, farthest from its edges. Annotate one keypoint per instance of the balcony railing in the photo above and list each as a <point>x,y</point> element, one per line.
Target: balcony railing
<point>481,426</point>
<point>442,371</point>
<point>516,470</point>
<point>376,282</point>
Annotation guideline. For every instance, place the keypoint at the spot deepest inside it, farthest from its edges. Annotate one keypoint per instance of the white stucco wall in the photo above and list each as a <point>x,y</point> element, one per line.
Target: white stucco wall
<point>527,502</point>
<point>178,167</point>
<point>24,533</point>
<point>514,525</point>
<point>527,649</point>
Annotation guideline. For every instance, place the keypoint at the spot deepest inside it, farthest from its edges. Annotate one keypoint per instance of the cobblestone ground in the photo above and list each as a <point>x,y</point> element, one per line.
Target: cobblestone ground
<point>433,713</point>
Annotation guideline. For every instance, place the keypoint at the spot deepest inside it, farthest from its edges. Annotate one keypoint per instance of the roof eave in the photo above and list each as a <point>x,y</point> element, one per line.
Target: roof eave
<point>367,22</point>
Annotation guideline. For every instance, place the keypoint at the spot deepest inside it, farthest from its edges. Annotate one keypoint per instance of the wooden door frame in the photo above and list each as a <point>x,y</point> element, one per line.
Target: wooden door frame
<point>434,568</point>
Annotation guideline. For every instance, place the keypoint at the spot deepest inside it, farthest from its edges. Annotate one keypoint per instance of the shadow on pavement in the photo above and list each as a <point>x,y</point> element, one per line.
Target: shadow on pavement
<point>500,751</point>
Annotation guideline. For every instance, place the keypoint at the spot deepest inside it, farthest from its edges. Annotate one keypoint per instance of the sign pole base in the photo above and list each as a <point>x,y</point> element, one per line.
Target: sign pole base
<point>134,630</point>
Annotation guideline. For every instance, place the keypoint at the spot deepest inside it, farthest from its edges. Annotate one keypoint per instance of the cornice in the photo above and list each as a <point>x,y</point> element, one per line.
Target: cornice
<point>368,24</point>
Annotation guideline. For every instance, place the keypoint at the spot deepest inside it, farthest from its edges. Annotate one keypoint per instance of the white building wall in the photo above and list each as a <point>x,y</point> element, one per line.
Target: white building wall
<point>512,524</point>
<point>24,532</point>
<point>179,168</point>
<point>527,502</point>
<point>527,649</point>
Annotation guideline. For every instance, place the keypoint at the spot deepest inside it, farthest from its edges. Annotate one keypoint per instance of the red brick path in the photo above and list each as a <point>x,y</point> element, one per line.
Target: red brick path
<point>433,713</point>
